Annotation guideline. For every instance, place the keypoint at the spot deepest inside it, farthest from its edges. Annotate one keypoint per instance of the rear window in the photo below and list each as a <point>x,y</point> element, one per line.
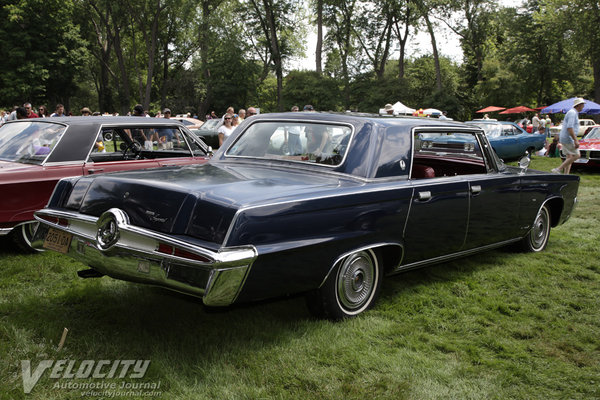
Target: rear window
<point>29,142</point>
<point>294,141</point>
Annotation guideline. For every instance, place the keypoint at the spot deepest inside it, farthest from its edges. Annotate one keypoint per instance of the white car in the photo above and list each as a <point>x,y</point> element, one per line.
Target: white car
<point>583,125</point>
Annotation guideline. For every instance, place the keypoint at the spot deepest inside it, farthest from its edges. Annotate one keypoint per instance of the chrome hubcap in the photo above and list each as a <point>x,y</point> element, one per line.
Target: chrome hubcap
<point>356,280</point>
<point>539,232</point>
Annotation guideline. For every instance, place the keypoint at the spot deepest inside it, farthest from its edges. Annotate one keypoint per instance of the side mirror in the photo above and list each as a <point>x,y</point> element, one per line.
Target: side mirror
<point>524,163</point>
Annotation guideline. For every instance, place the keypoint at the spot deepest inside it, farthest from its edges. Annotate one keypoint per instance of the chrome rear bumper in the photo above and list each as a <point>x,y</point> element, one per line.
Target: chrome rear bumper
<point>111,245</point>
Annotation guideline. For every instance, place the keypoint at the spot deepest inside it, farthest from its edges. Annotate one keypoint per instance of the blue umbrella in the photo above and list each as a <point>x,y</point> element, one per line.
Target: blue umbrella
<point>565,105</point>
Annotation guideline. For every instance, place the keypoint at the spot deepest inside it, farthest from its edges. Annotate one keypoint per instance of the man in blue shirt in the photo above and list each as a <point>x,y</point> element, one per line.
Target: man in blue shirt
<point>568,136</point>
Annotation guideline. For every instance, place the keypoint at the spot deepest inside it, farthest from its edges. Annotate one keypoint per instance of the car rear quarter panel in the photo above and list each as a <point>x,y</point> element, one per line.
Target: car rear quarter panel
<point>302,239</point>
<point>559,192</point>
<point>28,191</point>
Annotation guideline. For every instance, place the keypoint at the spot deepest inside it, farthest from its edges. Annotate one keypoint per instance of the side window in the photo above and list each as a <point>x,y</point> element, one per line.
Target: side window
<point>446,153</point>
<point>168,139</point>
<point>107,141</point>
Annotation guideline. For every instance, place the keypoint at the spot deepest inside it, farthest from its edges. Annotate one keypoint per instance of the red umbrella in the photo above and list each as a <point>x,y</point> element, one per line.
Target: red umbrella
<point>517,110</point>
<point>491,109</point>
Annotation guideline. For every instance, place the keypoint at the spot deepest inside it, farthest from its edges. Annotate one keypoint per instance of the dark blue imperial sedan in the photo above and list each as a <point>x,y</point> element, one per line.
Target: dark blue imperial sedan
<point>321,204</point>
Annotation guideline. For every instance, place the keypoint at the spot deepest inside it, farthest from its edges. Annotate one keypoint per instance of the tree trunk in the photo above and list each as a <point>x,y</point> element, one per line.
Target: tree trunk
<point>204,46</point>
<point>596,68</point>
<point>151,44</point>
<point>275,51</point>
<point>436,58</point>
<point>124,92</point>
<point>319,49</point>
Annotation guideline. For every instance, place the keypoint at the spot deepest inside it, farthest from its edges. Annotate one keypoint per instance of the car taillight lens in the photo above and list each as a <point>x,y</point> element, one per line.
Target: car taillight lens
<point>55,220</point>
<point>175,251</point>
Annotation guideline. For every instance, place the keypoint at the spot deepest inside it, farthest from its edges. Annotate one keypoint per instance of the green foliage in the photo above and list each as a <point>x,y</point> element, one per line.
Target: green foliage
<point>41,57</point>
<point>308,87</point>
<point>212,54</point>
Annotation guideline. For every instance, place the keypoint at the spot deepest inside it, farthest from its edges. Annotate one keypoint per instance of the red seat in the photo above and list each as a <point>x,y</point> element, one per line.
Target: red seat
<point>422,172</point>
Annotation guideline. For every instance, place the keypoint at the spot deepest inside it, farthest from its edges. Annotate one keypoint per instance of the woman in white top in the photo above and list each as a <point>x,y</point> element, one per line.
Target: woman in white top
<point>226,129</point>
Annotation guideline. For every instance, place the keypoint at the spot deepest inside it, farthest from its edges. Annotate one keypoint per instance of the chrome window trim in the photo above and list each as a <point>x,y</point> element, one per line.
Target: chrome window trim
<point>282,122</point>
<point>490,168</point>
<point>66,126</point>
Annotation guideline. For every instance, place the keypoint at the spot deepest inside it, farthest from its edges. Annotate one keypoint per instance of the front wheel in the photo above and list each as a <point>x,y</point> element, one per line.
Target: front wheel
<point>537,238</point>
<point>351,288</point>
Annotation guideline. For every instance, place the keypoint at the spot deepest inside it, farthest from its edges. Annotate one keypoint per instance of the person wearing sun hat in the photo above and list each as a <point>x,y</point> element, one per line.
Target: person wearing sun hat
<point>568,136</point>
<point>389,109</point>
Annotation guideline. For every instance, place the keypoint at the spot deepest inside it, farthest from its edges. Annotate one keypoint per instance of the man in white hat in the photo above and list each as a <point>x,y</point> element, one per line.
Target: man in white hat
<point>389,109</point>
<point>568,136</point>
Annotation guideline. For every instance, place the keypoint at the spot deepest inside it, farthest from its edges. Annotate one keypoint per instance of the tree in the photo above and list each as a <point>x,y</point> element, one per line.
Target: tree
<point>339,17</point>
<point>39,68</point>
<point>579,24</point>
<point>275,20</point>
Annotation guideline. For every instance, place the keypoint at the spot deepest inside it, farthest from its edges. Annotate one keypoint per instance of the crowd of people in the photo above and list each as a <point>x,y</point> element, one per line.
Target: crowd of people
<point>27,111</point>
<point>566,140</point>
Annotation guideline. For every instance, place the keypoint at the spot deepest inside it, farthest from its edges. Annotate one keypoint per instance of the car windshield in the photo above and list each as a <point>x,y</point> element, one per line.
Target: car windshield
<point>295,141</point>
<point>210,124</point>
<point>491,130</point>
<point>28,142</point>
<point>594,134</point>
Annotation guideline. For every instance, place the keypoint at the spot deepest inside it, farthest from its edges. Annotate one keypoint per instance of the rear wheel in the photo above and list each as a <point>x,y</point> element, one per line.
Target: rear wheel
<point>537,238</point>
<point>23,235</point>
<point>351,288</point>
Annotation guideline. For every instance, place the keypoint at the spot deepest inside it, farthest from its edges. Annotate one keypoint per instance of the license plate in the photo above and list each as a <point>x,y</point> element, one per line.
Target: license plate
<point>57,240</point>
<point>582,160</point>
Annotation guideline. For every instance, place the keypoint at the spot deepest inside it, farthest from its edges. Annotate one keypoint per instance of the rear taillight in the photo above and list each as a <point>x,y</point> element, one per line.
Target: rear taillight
<point>55,220</point>
<point>175,251</point>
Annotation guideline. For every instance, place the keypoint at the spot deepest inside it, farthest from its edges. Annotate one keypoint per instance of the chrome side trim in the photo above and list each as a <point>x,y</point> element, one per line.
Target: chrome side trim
<point>452,256</point>
<point>6,231</point>
<point>368,247</point>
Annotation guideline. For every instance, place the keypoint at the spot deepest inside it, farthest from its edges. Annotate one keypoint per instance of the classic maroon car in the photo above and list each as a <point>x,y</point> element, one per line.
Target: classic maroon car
<point>35,154</point>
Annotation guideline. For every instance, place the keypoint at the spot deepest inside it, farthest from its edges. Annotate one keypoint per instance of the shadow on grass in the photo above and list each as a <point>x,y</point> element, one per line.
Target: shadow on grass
<point>110,319</point>
<point>8,247</point>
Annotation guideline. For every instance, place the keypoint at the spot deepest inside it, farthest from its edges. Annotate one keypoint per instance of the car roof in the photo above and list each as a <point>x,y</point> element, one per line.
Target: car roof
<point>81,132</point>
<point>365,157</point>
<point>100,120</point>
<point>384,120</point>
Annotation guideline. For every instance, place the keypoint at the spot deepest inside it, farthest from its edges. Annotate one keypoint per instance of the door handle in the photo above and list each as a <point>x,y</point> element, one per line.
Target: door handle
<point>423,196</point>
<point>475,189</point>
<point>94,170</point>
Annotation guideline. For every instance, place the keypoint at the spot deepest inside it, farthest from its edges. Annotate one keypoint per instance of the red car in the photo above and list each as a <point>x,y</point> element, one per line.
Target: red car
<point>36,153</point>
<point>589,147</point>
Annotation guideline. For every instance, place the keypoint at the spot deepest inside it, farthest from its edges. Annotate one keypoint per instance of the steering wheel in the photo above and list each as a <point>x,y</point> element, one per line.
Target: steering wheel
<point>135,148</point>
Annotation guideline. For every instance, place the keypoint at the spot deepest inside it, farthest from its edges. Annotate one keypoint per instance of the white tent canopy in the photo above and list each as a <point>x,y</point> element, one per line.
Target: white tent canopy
<point>432,111</point>
<point>399,108</point>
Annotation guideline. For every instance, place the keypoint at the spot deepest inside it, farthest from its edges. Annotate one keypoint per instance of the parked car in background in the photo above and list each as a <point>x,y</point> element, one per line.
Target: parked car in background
<point>208,132</point>
<point>35,154</point>
<point>589,148</point>
<point>584,124</point>
<point>190,123</point>
<point>589,129</point>
<point>321,204</point>
<point>509,140</point>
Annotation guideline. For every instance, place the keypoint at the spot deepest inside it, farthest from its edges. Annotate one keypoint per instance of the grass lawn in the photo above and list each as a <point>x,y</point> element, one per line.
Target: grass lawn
<point>498,325</point>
